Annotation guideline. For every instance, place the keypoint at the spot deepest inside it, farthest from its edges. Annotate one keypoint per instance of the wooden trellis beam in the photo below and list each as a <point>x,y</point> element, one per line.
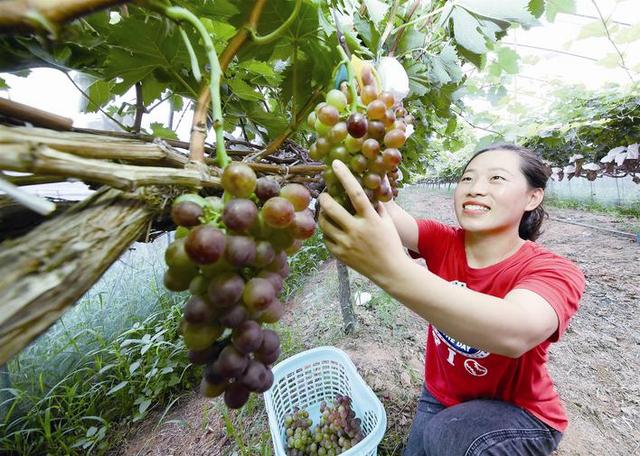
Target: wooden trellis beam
<point>51,267</point>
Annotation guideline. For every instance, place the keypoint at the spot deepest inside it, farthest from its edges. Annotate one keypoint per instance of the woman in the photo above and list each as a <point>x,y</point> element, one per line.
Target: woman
<point>493,298</point>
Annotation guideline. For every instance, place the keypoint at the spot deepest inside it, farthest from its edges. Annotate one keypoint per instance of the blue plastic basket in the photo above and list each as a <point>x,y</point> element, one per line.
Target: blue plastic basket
<point>313,376</point>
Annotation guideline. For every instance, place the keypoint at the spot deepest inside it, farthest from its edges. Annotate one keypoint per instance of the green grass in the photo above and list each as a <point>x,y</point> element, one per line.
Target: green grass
<point>115,357</point>
<point>630,210</point>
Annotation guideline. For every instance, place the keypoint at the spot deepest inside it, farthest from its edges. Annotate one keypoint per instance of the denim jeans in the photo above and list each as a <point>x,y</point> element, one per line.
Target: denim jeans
<point>478,427</point>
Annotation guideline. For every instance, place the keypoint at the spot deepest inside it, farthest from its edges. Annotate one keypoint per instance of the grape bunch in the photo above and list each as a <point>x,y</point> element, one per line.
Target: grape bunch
<point>366,136</point>
<point>231,254</point>
<point>337,431</point>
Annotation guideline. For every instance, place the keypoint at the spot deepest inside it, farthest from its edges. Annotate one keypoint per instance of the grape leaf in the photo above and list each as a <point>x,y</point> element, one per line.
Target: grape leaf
<point>261,68</point>
<point>507,60</point>
<point>591,30</point>
<point>377,10</point>
<point>161,131</point>
<point>499,10</point>
<point>100,92</point>
<point>243,90</point>
<point>536,7</point>
<point>553,7</point>
<point>3,84</point>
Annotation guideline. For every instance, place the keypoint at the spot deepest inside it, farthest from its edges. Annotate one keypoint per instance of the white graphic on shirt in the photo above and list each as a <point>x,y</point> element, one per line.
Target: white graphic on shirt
<point>455,347</point>
<point>475,368</point>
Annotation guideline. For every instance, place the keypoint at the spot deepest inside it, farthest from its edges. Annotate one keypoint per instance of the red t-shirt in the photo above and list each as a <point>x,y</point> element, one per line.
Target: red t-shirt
<point>456,372</point>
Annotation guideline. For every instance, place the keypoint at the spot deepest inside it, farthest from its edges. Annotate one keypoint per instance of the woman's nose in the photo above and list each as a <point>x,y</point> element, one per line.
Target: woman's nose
<point>477,187</point>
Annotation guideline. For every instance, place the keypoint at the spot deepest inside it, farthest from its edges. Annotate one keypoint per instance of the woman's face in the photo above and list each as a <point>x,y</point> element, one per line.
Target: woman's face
<point>493,194</point>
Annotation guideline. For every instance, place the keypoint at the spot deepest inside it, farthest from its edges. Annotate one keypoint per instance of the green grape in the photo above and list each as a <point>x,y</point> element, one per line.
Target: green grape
<point>339,153</point>
<point>371,181</point>
<point>322,129</point>
<point>239,180</point>
<point>200,336</point>
<point>352,144</point>
<point>358,163</point>
<point>337,99</point>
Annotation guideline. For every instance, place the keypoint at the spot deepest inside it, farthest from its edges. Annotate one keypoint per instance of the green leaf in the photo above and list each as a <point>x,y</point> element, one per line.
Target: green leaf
<point>3,84</point>
<point>369,33</point>
<point>221,31</point>
<point>592,29</point>
<point>508,60</point>
<point>243,90</point>
<point>611,60</point>
<point>161,131</point>
<point>100,93</point>
<point>118,387</point>
<point>536,7</point>
<point>553,7</point>
<point>151,90</point>
<point>628,35</point>
<point>412,39</point>
<point>377,10</point>
<point>465,29</point>
<point>500,10</point>
<point>273,122</point>
<point>261,68</point>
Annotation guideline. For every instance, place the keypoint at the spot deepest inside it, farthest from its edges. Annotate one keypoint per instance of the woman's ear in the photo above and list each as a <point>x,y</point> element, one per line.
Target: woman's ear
<point>535,199</point>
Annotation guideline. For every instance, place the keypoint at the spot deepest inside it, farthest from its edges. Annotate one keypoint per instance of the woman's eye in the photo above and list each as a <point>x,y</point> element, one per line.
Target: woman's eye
<point>465,179</point>
<point>498,177</point>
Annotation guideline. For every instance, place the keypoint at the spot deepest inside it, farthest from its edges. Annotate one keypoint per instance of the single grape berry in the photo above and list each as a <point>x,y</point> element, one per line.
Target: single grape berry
<point>205,244</point>
<point>239,214</point>
<point>186,213</point>
<point>297,194</point>
<point>267,187</point>
<point>239,180</point>
<point>357,125</point>
<point>278,212</point>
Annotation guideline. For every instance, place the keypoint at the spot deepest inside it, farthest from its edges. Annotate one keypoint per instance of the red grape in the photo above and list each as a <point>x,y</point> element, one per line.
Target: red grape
<point>297,194</point>
<point>186,213</point>
<point>357,125</point>
<point>278,212</point>
<point>239,214</point>
<point>205,244</point>
<point>267,187</point>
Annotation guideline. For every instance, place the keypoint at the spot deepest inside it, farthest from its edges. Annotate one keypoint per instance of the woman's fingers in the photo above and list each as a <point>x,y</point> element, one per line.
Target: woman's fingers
<point>329,228</point>
<point>334,211</point>
<point>353,189</point>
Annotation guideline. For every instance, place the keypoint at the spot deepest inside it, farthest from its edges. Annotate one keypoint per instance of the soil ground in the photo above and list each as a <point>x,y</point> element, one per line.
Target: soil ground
<point>594,366</point>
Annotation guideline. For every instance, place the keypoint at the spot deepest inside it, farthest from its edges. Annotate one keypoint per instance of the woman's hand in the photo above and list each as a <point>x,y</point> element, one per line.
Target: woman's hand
<point>367,241</point>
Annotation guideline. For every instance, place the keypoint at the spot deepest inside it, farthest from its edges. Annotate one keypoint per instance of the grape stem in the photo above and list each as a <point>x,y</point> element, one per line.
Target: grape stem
<point>195,66</point>
<point>277,33</point>
<point>182,14</point>
<point>350,76</point>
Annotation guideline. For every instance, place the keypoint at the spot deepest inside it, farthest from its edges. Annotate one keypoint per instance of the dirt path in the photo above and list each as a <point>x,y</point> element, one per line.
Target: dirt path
<point>594,366</point>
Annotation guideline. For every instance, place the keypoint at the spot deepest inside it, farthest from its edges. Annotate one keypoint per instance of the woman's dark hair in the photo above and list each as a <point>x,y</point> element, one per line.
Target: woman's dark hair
<point>537,174</point>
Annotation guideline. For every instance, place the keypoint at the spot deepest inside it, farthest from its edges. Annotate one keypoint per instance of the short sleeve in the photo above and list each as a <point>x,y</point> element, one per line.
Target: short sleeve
<point>560,282</point>
<point>433,237</point>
